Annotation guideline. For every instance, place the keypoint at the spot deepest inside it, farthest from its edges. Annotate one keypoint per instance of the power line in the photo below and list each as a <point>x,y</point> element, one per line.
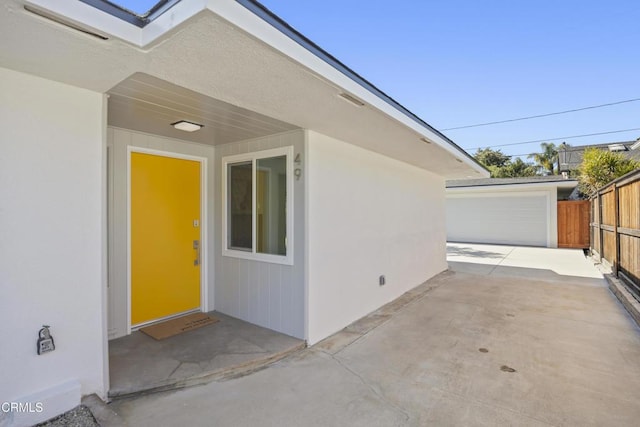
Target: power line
<point>544,115</point>
<point>556,138</point>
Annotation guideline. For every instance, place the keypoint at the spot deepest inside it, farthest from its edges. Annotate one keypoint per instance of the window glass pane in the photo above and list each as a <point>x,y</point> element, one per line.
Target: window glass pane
<point>271,202</point>
<point>240,206</point>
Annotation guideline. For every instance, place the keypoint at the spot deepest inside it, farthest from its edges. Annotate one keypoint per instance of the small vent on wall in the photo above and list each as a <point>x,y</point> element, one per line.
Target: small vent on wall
<point>352,99</point>
<point>60,21</point>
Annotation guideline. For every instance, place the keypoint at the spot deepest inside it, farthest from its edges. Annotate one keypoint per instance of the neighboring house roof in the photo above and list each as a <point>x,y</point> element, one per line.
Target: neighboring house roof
<point>571,158</point>
<point>484,182</point>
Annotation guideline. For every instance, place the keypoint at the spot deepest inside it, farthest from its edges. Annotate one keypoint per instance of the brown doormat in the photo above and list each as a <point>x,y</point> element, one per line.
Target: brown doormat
<point>178,325</point>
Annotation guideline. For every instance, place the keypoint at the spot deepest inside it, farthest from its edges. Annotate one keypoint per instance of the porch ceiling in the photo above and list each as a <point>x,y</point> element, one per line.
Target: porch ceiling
<point>148,104</point>
<point>230,73</point>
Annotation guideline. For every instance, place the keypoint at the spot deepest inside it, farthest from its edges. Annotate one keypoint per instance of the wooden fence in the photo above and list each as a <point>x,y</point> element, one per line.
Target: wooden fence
<point>573,224</point>
<point>615,228</point>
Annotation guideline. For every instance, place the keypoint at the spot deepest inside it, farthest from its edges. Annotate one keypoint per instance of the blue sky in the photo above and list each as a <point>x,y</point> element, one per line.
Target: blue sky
<point>461,62</point>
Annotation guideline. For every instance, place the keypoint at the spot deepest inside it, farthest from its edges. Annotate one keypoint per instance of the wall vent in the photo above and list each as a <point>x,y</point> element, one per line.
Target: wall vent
<point>352,99</point>
<point>60,21</point>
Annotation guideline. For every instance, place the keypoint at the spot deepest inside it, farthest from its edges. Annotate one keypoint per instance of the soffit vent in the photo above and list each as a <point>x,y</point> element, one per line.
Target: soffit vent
<point>60,21</point>
<point>352,99</point>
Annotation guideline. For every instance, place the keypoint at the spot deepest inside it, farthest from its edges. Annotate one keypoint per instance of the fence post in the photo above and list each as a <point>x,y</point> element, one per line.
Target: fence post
<point>616,239</point>
<point>600,242</point>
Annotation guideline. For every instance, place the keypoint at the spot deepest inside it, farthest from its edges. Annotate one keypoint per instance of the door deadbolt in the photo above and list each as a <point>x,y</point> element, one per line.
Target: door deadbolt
<point>196,246</point>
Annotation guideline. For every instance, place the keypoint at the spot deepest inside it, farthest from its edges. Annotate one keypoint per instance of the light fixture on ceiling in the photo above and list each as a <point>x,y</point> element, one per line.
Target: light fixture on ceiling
<point>187,126</point>
<point>459,161</point>
<point>352,99</point>
<point>425,140</point>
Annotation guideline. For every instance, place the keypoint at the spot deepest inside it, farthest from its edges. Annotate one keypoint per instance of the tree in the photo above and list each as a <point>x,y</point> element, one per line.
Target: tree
<point>501,166</point>
<point>600,167</point>
<point>516,168</point>
<point>547,158</point>
<point>489,157</point>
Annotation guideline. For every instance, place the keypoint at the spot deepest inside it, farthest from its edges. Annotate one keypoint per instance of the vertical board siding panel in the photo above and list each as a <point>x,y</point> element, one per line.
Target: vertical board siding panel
<point>254,296</point>
<point>227,290</point>
<point>220,288</point>
<point>121,140</point>
<point>275,293</point>
<point>235,290</point>
<point>264,294</point>
<point>286,298</point>
<point>243,296</point>
<point>112,329</point>
<point>259,288</point>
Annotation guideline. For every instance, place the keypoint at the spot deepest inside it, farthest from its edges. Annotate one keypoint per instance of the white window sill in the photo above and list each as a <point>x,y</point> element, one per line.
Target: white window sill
<point>268,258</point>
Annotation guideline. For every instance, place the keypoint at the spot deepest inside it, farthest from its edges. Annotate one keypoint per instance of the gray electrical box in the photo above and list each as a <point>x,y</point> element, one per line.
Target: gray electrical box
<point>45,341</point>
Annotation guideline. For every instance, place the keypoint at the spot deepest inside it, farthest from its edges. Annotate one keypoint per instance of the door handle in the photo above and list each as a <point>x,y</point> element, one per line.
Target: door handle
<point>196,246</point>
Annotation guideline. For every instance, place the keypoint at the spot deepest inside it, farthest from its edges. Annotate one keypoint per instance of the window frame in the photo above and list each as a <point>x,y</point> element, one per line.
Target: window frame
<point>252,254</point>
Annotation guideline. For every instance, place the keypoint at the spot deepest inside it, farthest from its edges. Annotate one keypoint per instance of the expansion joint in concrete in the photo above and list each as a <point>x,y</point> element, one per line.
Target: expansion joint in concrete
<point>373,389</point>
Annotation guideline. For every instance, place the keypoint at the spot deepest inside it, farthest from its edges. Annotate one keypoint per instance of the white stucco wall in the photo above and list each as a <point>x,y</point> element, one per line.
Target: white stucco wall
<point>51,236</point>
<point>512,215</point>
<point>367,215</point>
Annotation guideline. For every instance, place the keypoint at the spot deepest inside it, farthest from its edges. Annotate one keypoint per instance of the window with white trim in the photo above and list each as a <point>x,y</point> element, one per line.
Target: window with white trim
<point>258,205</point>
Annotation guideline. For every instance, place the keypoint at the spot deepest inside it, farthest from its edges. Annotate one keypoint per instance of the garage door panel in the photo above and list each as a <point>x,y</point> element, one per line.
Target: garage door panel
<point>520,220</point>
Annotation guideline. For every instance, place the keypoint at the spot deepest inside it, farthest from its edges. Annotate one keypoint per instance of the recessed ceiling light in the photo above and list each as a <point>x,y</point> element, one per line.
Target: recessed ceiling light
<point>187,126</point>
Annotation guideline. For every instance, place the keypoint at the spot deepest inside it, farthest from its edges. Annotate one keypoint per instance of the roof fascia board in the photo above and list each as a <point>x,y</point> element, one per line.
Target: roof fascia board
<point>170,19</point>
<point>86,15</point>
<point>247,20</point>
<point>513,187</point>
<point>501,194</point>
<point>117,11</point>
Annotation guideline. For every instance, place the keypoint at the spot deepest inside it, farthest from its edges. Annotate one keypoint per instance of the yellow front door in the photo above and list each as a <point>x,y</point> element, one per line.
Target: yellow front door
<point>165,237</point>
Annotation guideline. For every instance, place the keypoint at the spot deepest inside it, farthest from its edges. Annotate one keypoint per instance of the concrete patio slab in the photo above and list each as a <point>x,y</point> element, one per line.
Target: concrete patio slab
<point>140,364</point>
<point>519,261</point>
<point>475,350</point>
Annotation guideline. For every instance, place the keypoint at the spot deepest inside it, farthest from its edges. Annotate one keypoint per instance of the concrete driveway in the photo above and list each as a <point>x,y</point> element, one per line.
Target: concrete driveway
<point>510,336</point>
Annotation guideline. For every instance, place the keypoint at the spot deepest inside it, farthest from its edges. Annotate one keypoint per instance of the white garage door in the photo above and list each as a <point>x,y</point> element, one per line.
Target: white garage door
<point>511,220</point>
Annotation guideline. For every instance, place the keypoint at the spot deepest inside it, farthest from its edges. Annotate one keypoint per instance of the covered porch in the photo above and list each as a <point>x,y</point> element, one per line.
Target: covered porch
<point>230,347</point>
